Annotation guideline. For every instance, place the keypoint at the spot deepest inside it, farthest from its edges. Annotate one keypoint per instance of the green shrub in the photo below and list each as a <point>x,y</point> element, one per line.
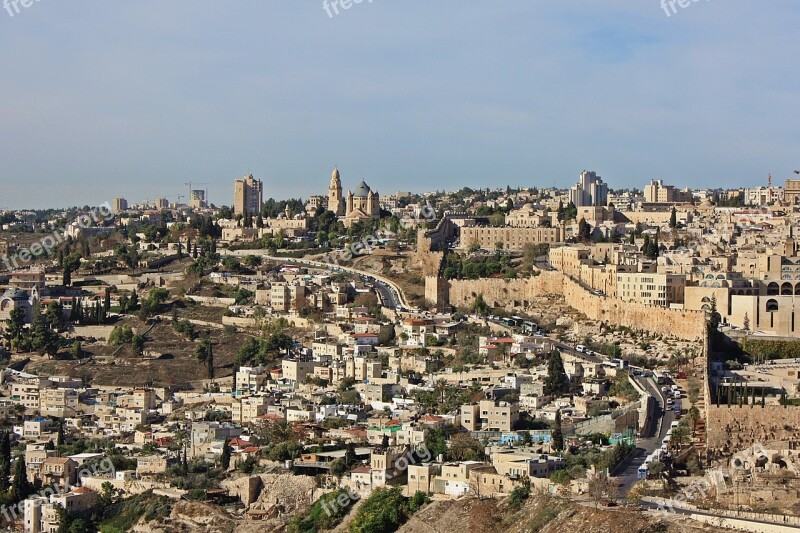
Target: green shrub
<point>120,335</point>
<point>519,495</point>
<point>326,513</point>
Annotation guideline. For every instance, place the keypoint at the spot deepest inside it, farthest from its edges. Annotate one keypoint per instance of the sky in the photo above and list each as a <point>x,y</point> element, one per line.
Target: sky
<point>104,98</point>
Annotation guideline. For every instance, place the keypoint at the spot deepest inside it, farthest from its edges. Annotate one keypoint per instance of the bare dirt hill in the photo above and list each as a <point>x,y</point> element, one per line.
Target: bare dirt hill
<point>543,514</point>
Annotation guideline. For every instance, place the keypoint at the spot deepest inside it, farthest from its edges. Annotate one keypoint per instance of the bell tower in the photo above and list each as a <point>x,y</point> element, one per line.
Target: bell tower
<point>335,200</point>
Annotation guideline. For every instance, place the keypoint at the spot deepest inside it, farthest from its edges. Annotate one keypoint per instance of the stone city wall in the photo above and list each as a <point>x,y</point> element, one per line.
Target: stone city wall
<point>519,293</point>
<point>731,427</point>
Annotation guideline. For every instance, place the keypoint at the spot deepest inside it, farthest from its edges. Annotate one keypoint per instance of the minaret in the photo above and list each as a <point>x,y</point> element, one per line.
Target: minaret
<point>335,194</point>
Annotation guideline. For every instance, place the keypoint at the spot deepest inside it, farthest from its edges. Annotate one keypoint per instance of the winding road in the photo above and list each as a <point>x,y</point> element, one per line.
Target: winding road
<point>390,293</point>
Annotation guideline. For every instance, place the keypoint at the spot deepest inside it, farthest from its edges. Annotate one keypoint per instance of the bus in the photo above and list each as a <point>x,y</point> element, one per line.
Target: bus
<point>659,377</point>
<point>642,472</point>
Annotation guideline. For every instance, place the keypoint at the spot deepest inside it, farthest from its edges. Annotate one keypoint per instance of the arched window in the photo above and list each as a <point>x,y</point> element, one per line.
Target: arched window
<point>772,289</point>
<point>772,305</point>
<point>786,289</point>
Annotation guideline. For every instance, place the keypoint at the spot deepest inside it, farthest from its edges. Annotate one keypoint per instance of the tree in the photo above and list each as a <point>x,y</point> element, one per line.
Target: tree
<point>558,435</point>
<point>656,468</point>
<point>225,459</point>
<point>584,230</point>
<point>480,307</point>
<point>108,494</point>
<point>601,487</point>
<point>20,487</point>
<point>679,434</point>
<point>137,342</point>
<point>673,218</point>
<point>77,350</point>
<point>338,467</point>
<point>15,324</point>
<point>694,416</point>
<point>60,434</point>
<point>5,461</point>
<point>385,510</point>
<point>556,381</point>
<point>746,323</point>
<point>205,354</point>
<point>465,448</point>
<point>44,339</point>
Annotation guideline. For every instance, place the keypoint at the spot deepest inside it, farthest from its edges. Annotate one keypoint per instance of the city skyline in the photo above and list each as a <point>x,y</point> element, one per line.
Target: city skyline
<point>139,104</point>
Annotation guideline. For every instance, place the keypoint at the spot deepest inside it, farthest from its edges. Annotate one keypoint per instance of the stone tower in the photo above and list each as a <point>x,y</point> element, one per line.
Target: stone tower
<point>335,200</point>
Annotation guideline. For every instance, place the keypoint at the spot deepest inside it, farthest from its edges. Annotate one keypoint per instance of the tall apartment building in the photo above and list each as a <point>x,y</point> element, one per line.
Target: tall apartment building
<point>120,204</point>
<point>763,195</point>
<point>199,199</point>
<point>251,379</point>
<point>248,195</point>
<point>589,191</point>
<point>489,415</point>
<point>650,288</point>
<point>162,203</point>
<point>657,193</point>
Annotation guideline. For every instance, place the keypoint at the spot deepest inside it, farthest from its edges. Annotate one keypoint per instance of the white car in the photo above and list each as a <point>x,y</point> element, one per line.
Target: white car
<point>674,424</point>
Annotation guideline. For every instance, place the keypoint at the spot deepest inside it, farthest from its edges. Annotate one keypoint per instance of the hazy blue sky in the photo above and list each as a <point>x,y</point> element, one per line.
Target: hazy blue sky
<point>104,98</point>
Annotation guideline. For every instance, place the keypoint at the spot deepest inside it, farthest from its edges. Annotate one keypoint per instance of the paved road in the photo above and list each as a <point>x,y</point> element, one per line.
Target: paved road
<point>659,425</point>
<point>655,505</point>
<point>390,293</point>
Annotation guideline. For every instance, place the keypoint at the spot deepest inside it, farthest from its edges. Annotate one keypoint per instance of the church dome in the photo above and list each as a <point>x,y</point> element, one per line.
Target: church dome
<point>362,191</point>
<point>15,294</point>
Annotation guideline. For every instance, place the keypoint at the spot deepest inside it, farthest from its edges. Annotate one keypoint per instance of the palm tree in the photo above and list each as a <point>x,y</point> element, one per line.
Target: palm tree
<point>678,435</point>
<point>694,417</point>
<point>441,389</point>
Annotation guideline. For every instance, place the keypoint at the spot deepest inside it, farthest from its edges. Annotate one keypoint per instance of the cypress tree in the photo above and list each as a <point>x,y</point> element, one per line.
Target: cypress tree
<point>5,460</point>
<point>558,435</point>
<point>20,487</point>
<point>225,460</point>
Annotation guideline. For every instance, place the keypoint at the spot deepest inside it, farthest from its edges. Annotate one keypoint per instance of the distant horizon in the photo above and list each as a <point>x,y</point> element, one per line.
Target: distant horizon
<point>107,100</point>
<point>345,188</point>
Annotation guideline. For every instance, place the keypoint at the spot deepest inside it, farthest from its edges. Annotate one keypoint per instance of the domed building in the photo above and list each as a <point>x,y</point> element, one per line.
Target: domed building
<point>16,298</point>
<point>363,204</point>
